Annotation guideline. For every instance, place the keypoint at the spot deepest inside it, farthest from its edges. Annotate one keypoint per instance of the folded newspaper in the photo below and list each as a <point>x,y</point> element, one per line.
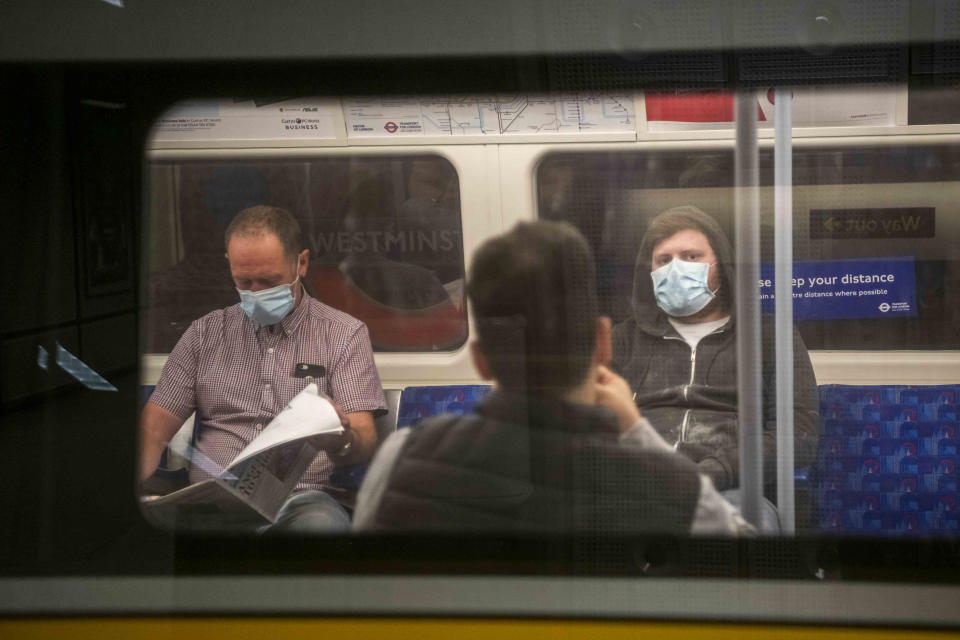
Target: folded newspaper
<point>251,490</point>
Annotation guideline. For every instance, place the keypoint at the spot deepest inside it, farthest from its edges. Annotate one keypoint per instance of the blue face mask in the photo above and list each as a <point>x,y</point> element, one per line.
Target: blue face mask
<point>269,306</point>
<point>681,287</point>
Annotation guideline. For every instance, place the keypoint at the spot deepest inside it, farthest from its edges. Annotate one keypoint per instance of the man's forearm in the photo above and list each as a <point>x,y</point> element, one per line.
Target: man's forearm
<point>156,427</point>
<point>150,454</point>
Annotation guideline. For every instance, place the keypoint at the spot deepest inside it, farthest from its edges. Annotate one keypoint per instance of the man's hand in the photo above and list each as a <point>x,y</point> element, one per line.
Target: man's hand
<point>707,463</point>
<point>359,432</point>
<point>613,392</point>
<point>342,447</point>
<point>344,418</point>
<point>694,451</point>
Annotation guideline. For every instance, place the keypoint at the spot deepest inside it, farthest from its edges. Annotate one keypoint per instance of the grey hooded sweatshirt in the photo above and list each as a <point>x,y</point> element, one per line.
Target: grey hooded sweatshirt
<point>690,395</point>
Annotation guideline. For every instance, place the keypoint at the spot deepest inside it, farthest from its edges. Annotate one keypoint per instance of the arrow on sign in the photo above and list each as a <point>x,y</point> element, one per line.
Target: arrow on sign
<point>830,224</point>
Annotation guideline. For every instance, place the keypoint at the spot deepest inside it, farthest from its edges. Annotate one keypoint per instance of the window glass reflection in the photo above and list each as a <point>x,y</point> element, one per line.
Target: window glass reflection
<point>384,237</point>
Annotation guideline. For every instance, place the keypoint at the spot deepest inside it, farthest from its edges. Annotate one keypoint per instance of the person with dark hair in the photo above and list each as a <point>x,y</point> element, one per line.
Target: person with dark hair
<point>559,443</point>
<point>236,368</point>
<point>678,353</point>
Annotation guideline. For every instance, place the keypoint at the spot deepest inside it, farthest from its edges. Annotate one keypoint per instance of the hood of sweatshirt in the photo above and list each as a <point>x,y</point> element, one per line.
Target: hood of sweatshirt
<point>648,315</point>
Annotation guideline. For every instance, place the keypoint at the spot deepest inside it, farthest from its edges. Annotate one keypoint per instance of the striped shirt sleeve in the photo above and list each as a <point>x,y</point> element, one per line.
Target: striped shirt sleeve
<point>355,384</point>
<point>176,388</point>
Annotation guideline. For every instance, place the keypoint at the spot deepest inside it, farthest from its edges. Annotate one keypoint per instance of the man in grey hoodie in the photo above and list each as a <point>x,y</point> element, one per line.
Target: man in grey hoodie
<point>678,353</point>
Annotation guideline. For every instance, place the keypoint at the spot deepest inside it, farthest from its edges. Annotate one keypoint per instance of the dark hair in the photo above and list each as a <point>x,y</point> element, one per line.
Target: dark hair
<point>672,221</point>
<point>262,219</point>
<point>534,298</point>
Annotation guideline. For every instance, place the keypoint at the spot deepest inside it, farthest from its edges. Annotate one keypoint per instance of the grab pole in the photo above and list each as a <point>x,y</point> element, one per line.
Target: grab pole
<point>783,304</point>
<point>749,360</point>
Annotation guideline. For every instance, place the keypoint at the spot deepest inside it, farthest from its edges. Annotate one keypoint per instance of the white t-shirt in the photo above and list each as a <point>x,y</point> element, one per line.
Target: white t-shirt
<point>692,333</point>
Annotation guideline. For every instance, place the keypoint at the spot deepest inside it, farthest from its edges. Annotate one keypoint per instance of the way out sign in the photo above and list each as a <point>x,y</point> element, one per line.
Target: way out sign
<point>876,223</point>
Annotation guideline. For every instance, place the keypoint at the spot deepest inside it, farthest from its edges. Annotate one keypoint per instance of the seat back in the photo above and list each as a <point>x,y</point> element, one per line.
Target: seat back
<point>888,459</point>
<point>387,423</point>
<point>417,403</point>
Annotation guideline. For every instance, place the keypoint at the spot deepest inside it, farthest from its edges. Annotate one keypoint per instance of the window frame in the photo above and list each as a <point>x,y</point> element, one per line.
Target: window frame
<point>871,366</point>
<point>478,219</point>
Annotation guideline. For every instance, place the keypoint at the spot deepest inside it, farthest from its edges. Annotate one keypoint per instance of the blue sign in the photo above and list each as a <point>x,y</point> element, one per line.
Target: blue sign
<point>836,289</point>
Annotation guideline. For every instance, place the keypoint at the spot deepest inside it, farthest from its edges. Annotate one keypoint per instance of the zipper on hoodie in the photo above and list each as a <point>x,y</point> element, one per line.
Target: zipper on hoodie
<point>686,387</point>
<point>693,368</point>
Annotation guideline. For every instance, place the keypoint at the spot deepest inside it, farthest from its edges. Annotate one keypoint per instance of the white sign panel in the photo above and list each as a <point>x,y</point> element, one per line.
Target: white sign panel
<point>495,115</point>
<point>693,110</point>
<point>201,120</point>
<point>837,107</point>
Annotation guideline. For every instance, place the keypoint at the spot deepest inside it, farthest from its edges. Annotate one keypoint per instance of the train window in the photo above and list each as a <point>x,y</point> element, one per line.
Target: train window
<point>466,503</point>
<point>880,220</point>
<point>384,235</point>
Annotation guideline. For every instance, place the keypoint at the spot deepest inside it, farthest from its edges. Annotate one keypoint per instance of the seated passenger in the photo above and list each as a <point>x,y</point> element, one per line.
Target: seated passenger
<point>678,353</point>
<point>235,367</point>
<point>559,444</point>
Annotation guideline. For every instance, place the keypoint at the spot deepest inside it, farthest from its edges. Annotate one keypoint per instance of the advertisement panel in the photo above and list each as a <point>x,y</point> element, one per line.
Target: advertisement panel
<point>847,289</point>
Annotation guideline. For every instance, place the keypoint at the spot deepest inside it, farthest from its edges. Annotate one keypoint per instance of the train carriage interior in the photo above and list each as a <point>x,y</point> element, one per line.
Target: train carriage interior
<point>821,141</point>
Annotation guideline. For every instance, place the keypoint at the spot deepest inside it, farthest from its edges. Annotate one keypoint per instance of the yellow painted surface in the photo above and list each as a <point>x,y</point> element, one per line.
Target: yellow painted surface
<point>413,629</point>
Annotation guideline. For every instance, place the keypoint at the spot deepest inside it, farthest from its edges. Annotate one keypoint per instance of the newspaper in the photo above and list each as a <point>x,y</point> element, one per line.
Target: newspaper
<point>251,490</point>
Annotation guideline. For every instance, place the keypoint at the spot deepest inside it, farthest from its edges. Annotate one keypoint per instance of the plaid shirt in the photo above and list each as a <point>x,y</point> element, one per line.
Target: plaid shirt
<point>238,376</point>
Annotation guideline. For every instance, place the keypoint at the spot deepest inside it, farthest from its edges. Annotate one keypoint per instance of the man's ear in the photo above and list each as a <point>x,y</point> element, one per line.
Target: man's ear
<point>303,262</point>
<point>603,351</point>
<point>480,361</point>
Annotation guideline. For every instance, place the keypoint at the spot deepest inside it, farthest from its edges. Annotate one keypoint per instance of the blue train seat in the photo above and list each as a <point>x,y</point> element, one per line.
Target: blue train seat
<point>887,463</point>
<point>417,403</point>
<point>888,460</point>
<point>407,408</point>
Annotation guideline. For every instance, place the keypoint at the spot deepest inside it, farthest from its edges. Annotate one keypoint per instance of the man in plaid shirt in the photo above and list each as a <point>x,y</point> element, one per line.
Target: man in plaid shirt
<point>238,367</point>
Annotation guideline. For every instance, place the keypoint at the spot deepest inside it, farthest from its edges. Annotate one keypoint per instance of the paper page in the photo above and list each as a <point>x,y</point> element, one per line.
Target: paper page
<point>265,480</point>
<point>208,505</point>
<point>308,414</point>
